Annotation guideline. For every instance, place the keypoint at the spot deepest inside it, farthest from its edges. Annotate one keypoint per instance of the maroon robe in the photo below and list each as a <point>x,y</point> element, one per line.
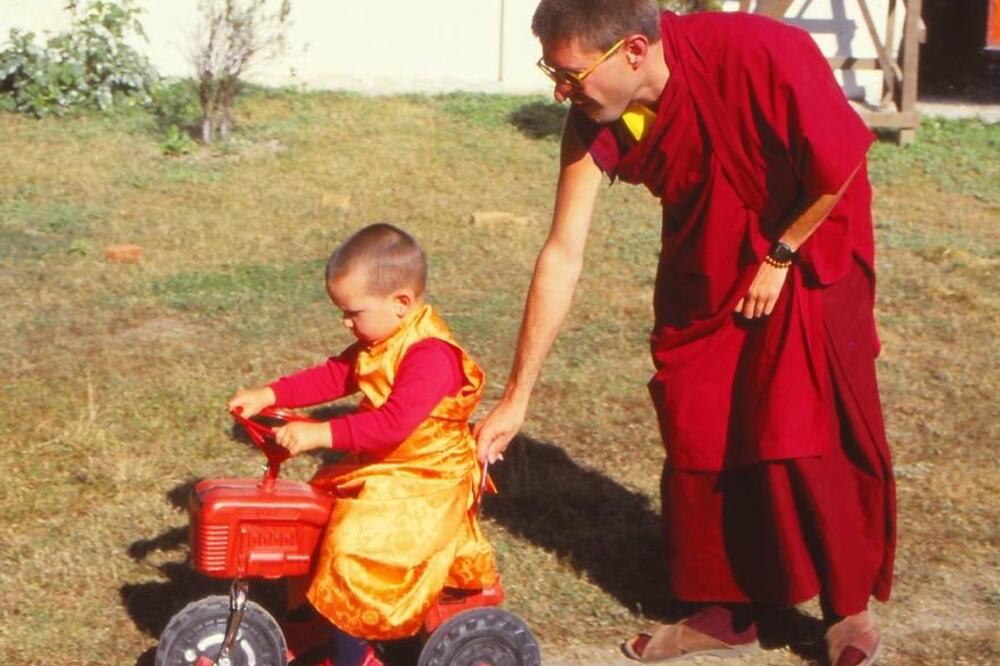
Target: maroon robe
<point>778,481</point>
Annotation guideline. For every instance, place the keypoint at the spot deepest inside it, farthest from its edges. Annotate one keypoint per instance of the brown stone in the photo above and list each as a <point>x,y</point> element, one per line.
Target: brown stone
<point>123,254</point>
<point>337,201</point>
<point>495,218</point>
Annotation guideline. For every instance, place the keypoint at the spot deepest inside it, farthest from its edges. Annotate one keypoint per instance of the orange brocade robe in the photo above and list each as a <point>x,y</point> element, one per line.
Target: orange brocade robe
<point>402,527</point>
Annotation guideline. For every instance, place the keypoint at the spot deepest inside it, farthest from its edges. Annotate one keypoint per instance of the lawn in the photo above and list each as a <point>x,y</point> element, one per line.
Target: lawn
<point>114,376</point>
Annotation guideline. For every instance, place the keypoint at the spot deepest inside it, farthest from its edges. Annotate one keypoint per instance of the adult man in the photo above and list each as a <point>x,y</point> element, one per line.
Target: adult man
<point>777,485</point>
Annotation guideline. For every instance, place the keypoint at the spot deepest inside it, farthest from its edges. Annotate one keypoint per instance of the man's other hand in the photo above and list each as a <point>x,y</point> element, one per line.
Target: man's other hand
<point>763,292</point>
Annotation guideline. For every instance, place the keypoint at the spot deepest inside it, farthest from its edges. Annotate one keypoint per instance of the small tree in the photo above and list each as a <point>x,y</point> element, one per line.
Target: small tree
<point>235,34</point>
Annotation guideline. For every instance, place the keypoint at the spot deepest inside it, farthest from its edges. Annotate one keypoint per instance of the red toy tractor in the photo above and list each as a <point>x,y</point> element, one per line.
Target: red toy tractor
<point>269,529</point>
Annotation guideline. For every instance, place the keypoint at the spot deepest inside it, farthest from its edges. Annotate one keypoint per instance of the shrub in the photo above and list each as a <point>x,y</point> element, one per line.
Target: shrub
<point>89,66</point>
<point>175,103</point>
<point>176,142</point>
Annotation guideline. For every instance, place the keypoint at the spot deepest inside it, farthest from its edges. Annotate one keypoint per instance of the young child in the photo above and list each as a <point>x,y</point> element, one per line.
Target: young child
<point>402,527</point>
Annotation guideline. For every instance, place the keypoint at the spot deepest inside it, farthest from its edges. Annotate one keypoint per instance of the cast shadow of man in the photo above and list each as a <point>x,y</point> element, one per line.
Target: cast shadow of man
<point>539,120</point>
<point>606,531</point>
<point>611,534</point>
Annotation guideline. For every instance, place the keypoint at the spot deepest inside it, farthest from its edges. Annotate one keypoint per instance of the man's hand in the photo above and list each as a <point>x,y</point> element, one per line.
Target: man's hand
<point>763,292</point>
<point>493,433</point>
<point>299,437</point>
<point>251,401</point>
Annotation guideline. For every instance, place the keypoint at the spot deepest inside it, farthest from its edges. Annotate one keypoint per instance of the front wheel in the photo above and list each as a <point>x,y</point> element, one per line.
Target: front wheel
<point>193,636</point>
<point>481,637</point>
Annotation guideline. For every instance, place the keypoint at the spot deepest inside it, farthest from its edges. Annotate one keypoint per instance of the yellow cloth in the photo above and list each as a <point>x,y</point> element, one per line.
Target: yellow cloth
<point>638,120</point>
<point>402,527</point>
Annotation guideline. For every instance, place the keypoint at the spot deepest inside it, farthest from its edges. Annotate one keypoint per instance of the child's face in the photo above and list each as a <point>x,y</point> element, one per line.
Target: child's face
<point>368,316</point>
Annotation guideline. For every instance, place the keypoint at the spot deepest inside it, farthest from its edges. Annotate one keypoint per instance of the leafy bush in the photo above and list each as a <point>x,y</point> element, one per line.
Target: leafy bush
<point>176,142</point>
<point>89,66</point>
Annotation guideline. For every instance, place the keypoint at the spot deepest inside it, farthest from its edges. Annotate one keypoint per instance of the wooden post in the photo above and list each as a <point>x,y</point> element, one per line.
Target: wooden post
<point>890,39</point>
<point>911,62</point>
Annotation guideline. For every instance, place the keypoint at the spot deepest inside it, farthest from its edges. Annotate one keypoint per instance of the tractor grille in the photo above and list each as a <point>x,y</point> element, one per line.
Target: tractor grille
<point>211,547</point>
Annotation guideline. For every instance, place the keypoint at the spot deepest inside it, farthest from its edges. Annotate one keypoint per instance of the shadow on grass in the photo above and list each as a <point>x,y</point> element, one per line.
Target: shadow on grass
<point>539,120</point>
<point>611,534</point>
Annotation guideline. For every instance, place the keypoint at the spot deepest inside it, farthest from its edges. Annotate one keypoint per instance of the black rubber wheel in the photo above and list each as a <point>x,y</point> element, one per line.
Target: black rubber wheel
<point>481,637</point>
<point>198,629</point>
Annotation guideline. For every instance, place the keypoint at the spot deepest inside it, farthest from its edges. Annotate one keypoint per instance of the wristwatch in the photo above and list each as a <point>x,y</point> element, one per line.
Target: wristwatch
<point>781,255</point>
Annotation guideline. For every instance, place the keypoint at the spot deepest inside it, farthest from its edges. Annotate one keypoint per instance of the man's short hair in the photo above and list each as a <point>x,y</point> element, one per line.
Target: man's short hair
<point>390,258</point>
<point>596,24</point>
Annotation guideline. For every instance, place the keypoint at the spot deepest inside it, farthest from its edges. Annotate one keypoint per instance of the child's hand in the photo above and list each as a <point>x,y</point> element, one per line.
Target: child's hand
<point>300,437</point>
<point>251,401</point>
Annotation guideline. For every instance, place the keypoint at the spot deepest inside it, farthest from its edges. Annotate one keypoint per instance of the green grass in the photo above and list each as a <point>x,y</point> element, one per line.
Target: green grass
<point>957,155</point>
<point>114,377</point>
<point>37,228</point>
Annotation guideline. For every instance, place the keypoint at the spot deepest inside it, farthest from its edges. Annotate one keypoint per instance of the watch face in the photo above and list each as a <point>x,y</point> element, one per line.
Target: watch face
<point>781,252</point>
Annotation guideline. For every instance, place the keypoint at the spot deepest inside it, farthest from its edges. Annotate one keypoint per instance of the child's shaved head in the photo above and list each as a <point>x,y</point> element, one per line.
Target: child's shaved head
<point>388,257</point>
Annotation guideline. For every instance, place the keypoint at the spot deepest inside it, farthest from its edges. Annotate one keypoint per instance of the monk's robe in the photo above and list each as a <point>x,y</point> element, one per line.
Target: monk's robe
<point>777,484</point>
<point>402,527</point>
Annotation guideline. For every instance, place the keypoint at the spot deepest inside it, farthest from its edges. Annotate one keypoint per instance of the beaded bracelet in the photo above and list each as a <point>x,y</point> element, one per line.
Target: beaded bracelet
<point>777,264</point>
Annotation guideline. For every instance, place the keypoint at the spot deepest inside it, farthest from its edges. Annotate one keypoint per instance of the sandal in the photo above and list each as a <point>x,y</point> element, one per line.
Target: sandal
<point>854,641</point>
<point>678,642</point>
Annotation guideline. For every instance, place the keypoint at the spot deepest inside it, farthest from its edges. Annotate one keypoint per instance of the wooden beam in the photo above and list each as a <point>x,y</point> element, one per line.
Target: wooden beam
<point>891,71</point>
<point>852,63</point>
<point>890,119</point>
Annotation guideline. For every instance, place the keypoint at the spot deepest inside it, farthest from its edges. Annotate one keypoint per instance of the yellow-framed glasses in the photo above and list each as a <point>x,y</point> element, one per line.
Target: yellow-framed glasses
<point>575,79</point>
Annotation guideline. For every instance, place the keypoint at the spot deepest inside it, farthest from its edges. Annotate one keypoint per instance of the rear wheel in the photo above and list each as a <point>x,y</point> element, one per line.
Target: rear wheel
<point>196,633</point>
<point>481,637</point>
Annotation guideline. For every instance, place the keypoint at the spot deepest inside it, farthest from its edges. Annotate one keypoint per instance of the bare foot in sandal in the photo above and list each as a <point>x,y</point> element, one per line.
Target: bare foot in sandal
<point>708,632</point>
<point>854,641</point>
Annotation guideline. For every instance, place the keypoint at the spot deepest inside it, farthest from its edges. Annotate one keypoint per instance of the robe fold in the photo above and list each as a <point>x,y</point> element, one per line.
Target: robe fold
<point>766,429</point>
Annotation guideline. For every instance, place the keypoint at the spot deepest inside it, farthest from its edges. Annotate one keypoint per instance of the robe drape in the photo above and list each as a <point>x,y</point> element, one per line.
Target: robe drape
<point>402,528</point>
<point>761,418</point>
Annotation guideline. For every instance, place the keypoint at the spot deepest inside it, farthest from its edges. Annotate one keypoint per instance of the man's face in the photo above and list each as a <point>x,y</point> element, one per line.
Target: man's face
<point>607,90</point>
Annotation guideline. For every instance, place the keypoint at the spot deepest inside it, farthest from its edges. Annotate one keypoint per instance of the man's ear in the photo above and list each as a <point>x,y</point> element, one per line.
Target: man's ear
<point>402,300</point>
<point>636,49</point>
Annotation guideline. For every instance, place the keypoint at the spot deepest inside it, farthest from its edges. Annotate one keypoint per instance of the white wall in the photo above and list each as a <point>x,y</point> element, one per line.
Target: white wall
<point>426,45</point>
<point>396,46</point>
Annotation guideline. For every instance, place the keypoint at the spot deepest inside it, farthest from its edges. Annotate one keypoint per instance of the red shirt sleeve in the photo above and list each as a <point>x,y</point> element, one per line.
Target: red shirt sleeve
<point>322,383</point>
<point>430,371</point>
